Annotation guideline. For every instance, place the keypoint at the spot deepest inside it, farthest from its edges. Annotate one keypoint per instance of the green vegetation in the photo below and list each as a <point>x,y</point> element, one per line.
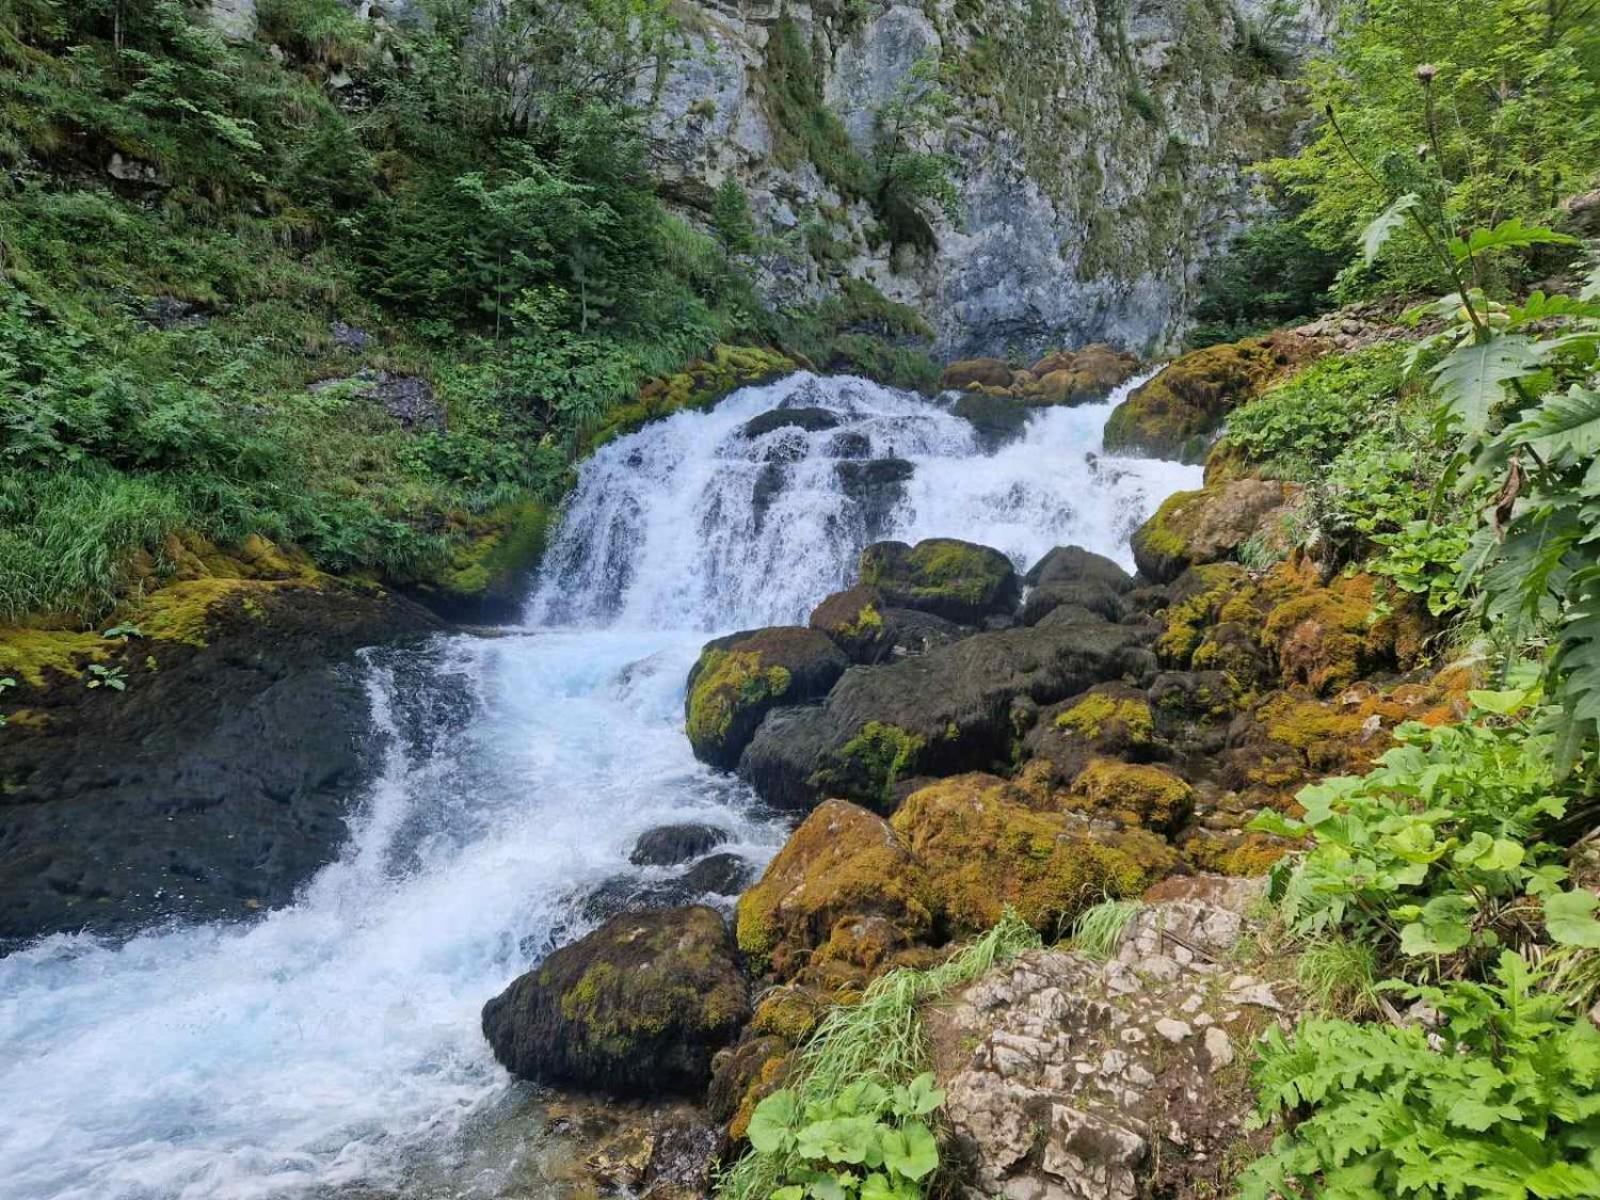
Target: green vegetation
<point>1511,128</point>
<point>1271,274</point>
<point>1098,931</point>
<point>184,220</point>
<point>862,1067</point>
<point>1500,1101</point>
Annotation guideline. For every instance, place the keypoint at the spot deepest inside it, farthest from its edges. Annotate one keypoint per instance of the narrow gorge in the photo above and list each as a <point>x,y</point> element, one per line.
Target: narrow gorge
<point>799,599</point>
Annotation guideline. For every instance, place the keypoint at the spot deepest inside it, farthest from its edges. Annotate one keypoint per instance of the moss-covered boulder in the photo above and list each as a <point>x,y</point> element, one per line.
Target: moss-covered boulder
<point>490,567</point>
<point>957,580</point>
<point>698,386</point>
<point>841,865</point>
<point>982,847</point>
<point>638,1007</point>
<point>739,678</point>
<point>976,372</point>
<point>1113,719</point>
<point>854,620</point>
<point>1084,376</point>
<point>1175,414</point>
<point>1199,599</point>
<point>1325,636</point>
<point>1211,524</point>
<point>1139,794</point>
<point>959,707</point>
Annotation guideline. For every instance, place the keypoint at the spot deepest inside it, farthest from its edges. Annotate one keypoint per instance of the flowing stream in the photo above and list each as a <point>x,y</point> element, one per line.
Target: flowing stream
<point>332,1048</point>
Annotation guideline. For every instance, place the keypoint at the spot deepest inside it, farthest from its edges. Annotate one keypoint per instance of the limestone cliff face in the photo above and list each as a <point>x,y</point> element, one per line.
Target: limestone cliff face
<point>1100,150</point>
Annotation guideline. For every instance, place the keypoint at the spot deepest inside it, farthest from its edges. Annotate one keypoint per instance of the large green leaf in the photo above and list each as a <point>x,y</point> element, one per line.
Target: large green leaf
<point>911,1151</point>
<point>1569,918</point>
<point>772,1123</point>
<point>1384,225</point>
<point>1563,423</point>
<point>1510,234</point>
<point>1472,379</point>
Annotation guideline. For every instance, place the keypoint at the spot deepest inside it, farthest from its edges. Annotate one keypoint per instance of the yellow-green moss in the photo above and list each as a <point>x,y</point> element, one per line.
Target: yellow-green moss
<point>841,862</point>
<point>983,849</point>
<point>29,654</point>
<point>1249,854</point>
<point>1185,620</point>
<point>1133,793</point>
<point>699,385</point>
<point>868,621</point>
<point>867,767</point>
<point>1173,414</point>
<point>790,1013</point>
<point>494,547</point>
<point>1094,714</point>
<point>728,681</point>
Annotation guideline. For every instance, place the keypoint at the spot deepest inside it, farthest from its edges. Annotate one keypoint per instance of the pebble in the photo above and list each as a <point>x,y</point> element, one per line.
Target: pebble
<point>1174,1031</point>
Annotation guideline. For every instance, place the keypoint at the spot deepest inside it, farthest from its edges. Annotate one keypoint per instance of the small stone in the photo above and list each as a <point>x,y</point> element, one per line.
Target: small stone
<point>1174,1031</point>
<point>1159,968</point>
<point>1219,1048</point>
<point>1132,1036</point>
<point>1204,1019</point>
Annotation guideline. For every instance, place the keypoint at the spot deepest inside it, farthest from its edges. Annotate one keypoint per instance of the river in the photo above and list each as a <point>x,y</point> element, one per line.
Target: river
<point>332,1047</point>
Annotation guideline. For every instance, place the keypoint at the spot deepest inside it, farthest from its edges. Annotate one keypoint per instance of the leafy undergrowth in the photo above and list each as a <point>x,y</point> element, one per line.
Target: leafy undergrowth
<point>852,1119</point>
<point>183,220</point>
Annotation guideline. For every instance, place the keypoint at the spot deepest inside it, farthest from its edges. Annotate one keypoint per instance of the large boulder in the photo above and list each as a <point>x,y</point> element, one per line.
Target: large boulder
<point>868,630</point>
<point>995,420</point>
<point>1175,414</point>
<point>957,708</point>
<point>636,1008</point>
<point>976,372</point>
<point>739,678</point>
<point>809,420</point>
<point>1210,525</point>
<point>957,580</point>
<point>1084,376</point>
<point>983,846</point>
<point>842,866</point>
<point>669,845</point>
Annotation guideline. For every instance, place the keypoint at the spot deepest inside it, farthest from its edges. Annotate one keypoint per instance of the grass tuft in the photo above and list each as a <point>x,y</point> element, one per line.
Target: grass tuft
<point>1098,931</point>
<point>878,1040</point>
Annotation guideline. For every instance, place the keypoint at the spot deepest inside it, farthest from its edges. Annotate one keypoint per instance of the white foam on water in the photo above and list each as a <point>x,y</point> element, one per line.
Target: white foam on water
<point>336,1042</point>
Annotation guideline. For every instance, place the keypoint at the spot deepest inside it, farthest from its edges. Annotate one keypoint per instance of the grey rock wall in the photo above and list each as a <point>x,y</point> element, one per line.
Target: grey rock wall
<point>1101,156</point>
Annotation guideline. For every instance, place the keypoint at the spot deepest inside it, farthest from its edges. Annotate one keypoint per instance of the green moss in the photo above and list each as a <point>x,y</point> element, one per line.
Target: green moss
<point>867,767</point>
<point>1134,794</point>
<point>1174,414</point>
<point>1100,713</point>
<point>727,682</point>
<point>1212,587</point>
<point>841,862</point>
<point>31,654</point>
<point>983,850</point>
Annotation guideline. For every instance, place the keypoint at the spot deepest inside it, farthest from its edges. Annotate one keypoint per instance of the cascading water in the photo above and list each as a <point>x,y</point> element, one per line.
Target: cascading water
<point>332,1047</point>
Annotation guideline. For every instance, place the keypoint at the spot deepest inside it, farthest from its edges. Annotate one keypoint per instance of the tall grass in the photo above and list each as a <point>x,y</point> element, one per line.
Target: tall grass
<point>1340,976</point>
<point>879,1040</point>
<point>1098,931</point>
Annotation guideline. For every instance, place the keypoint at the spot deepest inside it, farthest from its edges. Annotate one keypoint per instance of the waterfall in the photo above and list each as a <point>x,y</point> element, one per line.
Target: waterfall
<point>333,1045</point>
<point>695,524</point>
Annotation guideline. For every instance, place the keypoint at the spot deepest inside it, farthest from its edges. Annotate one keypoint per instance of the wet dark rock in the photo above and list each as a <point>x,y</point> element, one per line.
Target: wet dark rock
<point>669,845</point>
<point>1073,564</point>
<point>212,788</point>
<point>877,486</point>
<point>811,420</point>
<point>770,482</point>
<point>1096,597</point>
<point>995,419</point>
<point>718,875</point>
<point>638,1007</point>
<point>952,709</point>
<point>849,444</point>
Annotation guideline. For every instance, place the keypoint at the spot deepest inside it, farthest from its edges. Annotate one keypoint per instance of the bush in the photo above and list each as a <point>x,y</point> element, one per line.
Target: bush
<point>1271,274</point>
<point>1500,1101</point>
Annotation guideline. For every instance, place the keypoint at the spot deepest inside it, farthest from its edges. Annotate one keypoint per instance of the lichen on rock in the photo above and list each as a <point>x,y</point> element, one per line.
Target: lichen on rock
<point>638,1007</point>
